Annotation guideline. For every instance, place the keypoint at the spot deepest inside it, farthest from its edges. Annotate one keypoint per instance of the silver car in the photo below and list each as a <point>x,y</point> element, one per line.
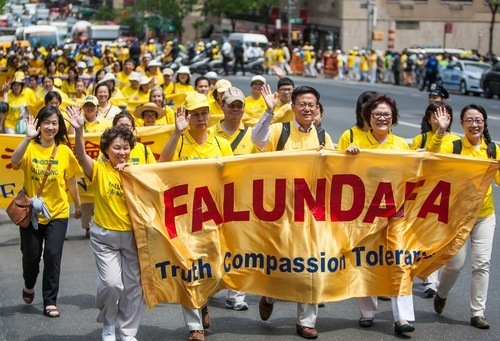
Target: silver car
<point>463,76</point>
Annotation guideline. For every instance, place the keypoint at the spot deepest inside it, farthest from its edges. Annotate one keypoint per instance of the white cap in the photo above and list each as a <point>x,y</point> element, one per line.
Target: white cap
<point>212,75</point>
<point>184,69</point>
<point>81,64</point>
<point>258,78</point>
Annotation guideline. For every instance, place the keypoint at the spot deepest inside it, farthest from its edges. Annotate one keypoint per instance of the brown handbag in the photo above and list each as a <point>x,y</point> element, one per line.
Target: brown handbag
<point>20,209</point>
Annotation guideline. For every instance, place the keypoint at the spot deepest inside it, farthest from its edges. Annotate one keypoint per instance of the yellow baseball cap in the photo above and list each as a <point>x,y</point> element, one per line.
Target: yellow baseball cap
<point>195,100</point>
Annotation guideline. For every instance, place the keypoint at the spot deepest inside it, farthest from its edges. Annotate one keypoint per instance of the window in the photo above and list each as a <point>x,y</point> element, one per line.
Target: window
<point>407,25</point>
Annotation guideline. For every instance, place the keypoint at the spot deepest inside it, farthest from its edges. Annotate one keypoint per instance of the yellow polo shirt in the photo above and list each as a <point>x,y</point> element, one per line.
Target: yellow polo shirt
<point>345,139</point>
<point>433,141</point>
<point>188,149</point>
<point>488,207</point>
<point>297,139</point>
<point>245,146</point>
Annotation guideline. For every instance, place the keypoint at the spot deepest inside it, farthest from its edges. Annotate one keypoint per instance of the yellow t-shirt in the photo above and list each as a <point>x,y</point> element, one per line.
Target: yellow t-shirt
<point>254,108</point>
<point>367,141</point>
<point>123,78</point>
<point>432,141</point>
<point>69,89</point>
<point>110,210</point>
<point>488,207</point>
<point>65,166</point>
<point>245,146</point>
<point>349,137</point>
<point>141,154</point>
<point>98,125</point>
<point>15,105</point>
<point>188,149</point>
<point>283,114</point>
<point>129,92</point>
<point>216,112</point>
<point>297,139</point>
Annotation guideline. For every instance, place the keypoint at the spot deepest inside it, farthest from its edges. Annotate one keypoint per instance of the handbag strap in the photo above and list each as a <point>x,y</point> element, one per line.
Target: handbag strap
<point>47,172</point>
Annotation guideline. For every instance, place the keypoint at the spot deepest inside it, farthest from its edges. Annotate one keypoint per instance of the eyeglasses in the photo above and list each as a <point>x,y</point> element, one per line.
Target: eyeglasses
<point>471,121</point>
<point>303,105</point>
<point>285,89</point>
<point>379,114</point>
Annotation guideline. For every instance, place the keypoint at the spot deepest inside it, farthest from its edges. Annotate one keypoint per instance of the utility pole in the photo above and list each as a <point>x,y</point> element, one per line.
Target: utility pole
<point>289,22</point>
<point>369,25</point>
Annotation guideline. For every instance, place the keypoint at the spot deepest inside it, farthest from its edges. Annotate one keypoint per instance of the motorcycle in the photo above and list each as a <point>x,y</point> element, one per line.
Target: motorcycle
<point>253,65</point>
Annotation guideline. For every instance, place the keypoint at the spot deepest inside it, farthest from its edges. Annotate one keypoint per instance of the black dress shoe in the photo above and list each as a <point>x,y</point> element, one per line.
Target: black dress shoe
<point>403,328</point>
<point>479,322</point>
<point>439,304</point>
<point>365,323</point>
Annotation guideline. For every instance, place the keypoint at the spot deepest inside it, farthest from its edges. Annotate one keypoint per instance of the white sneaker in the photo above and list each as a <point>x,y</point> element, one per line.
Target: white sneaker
<point>108,332</point>
<point>237,305</point>
<point>128,338</point>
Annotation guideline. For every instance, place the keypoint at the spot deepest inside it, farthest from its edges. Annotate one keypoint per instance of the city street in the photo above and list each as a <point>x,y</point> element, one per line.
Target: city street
<point>336,321</point>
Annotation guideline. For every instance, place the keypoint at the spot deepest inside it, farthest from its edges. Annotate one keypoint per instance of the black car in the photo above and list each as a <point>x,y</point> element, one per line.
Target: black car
<point>490,81</point>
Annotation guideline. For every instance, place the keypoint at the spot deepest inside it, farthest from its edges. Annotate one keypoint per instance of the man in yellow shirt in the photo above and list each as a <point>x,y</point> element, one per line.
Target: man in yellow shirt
<point>302,135</point>
<point>255,105</point>
<point>123,76</point>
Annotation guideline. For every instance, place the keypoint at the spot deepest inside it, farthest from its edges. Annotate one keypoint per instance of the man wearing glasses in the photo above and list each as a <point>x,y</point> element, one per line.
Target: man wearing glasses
<point>302,134</point>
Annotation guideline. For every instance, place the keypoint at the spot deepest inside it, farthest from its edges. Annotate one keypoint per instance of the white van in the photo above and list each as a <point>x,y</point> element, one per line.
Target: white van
<point>44,35</point>
<point>249,39</point>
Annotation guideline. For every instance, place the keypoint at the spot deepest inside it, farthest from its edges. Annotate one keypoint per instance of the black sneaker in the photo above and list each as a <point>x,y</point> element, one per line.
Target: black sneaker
<point>439,304</point>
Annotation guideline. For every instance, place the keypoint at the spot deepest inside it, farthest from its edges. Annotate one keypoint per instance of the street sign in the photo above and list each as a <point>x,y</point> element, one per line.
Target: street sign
<point>296,21</point>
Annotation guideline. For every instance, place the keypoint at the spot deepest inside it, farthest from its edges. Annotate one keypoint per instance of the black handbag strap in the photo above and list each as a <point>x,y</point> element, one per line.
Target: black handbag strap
<point>238,138</point>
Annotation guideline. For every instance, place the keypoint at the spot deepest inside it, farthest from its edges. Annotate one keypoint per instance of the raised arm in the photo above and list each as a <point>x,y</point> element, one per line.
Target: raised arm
<point>181,124</point>
<point>260,132</point>
<point>31,133</point>
<point>77,122</point>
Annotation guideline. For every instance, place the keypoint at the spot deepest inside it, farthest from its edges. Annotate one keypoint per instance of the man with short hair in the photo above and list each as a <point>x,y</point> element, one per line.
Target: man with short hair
<point>302,134</point>
<point>123,76</point>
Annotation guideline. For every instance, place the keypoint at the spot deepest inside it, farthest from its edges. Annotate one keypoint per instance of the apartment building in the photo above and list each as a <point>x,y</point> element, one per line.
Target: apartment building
<point>395,24</point>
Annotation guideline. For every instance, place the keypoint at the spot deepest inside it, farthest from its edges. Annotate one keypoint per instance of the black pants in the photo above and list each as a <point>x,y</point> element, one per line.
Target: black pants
<point>225,61</point>
<point>429,79</point>
<point>32,246</point>
<point>239,61</point>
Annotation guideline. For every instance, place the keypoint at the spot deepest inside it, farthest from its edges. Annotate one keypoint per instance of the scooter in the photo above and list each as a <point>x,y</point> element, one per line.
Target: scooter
<point>199,64</point>
<point>253,65</point>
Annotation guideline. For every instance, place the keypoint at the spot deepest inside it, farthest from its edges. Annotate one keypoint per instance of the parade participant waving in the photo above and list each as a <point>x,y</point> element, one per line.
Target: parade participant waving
<point>45,144</point>
<point>476,143</point>
<point>119,292</point>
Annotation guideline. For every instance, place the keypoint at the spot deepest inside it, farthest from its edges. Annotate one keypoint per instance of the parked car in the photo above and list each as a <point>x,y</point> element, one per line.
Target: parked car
<point>490,81</point>
<point>463,76</point>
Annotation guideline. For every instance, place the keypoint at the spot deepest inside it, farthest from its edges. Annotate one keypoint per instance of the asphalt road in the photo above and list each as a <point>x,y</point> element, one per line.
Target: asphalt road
<point>336,321</point>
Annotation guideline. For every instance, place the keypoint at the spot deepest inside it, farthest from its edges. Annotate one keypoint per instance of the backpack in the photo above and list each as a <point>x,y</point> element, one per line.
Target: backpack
<point>285,134</point>
<point>457,148</point>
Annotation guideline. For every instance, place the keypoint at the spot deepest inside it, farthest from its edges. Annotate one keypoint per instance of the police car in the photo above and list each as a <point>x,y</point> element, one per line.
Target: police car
<point>463,76</point>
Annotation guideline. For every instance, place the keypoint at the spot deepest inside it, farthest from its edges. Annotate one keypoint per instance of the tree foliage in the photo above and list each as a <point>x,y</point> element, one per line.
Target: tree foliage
<point>233,9</point>
<point>494,6</point>
<point>173,11</point>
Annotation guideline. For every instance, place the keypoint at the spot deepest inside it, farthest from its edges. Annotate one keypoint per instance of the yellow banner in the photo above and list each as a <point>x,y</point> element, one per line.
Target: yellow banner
<point>12,181</point>
<point>301,226</point>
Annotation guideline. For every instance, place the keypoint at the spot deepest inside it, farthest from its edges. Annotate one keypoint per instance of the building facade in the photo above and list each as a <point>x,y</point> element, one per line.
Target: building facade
<point>396,24</point>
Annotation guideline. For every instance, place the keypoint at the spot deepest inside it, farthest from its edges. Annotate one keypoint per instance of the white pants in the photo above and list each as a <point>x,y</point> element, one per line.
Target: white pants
<point>481,243</point>
<point>402,307</point>
<point>119,292</point>
<point>235,296</point>
<point>306,313</point>
<point>192,317</point>
<point>432,281</point>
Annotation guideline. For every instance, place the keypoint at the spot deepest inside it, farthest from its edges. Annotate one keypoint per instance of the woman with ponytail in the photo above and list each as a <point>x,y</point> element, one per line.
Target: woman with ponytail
<point>476,143</point>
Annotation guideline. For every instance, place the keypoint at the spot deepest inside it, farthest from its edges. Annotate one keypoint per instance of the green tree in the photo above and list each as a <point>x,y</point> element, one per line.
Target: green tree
<point>494,6</point>
<point>235,9</point>
<point>173,11</point>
